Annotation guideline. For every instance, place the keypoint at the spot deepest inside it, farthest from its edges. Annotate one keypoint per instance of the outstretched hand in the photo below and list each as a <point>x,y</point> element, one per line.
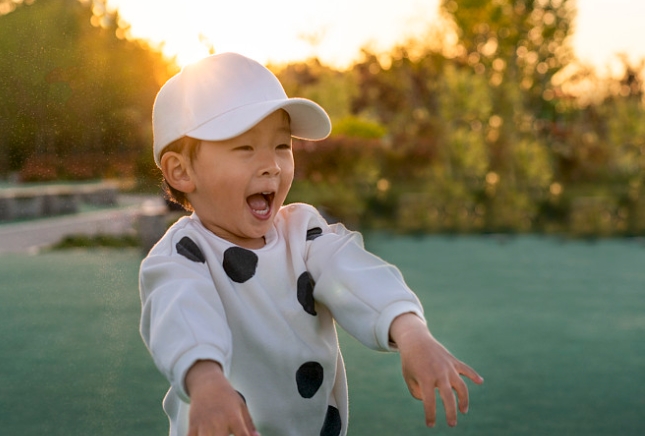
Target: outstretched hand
<point>216,409</point>
<point>427,365</point>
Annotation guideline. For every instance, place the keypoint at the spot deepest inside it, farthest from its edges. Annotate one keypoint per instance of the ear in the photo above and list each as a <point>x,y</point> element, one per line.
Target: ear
<point>176,170</point>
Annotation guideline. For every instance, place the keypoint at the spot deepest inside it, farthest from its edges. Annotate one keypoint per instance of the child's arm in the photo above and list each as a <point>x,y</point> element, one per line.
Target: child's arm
<point>427,366</point>
<point>216,409</point>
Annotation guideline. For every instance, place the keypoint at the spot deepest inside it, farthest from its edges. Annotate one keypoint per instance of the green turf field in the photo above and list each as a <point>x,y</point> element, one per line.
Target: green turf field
<point>557,329</point>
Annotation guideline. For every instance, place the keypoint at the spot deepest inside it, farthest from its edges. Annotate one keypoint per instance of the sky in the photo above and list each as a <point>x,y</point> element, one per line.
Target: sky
<point>335,30</point>
<point>607,27</point>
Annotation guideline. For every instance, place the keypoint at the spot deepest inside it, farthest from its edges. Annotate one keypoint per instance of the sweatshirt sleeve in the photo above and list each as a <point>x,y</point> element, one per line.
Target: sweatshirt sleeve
<point>364,293</point>
<point>182,318</point>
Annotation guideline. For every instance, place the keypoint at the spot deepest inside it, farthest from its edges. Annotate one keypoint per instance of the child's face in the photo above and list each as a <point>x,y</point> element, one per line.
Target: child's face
<point>240,183</point>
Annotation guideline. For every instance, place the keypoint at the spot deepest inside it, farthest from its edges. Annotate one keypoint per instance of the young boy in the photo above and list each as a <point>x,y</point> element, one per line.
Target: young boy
<point>239,299</point>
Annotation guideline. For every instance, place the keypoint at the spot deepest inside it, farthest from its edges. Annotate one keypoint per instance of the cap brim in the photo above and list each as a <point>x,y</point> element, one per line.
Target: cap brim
<point>308,120</point>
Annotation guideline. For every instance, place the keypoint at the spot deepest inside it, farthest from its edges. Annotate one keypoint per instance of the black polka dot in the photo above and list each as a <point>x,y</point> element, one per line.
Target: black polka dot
<point>313,233</point>
<point>187,248</point>
<point>332,425</point>
<point>306,293</point>
<point>309,378</point>
<point>240,264</point>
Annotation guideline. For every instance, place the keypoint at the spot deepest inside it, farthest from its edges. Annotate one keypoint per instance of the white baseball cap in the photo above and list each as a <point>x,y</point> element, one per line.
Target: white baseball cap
<point>223,96</point>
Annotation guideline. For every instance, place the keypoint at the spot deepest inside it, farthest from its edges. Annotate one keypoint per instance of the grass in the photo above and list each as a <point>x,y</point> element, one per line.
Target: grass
<point>556,328</point>
<point>73,362</point>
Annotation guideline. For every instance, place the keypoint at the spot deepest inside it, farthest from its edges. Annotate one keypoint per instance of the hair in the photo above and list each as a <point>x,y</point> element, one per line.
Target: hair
<point>184,145</point>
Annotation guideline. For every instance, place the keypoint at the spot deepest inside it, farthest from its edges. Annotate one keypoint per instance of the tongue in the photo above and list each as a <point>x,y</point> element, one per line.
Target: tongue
<point>257,202</point>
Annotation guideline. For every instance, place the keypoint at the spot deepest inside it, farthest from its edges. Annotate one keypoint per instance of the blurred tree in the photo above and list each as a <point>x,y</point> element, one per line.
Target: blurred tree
<point>310,79</point>
<point>522,41</point>
<point>75,94</point>
<point>486,131</point>
<point>625,115</point>
<point>339,175</point>
<point>401,91</point>
<point>518,45</point>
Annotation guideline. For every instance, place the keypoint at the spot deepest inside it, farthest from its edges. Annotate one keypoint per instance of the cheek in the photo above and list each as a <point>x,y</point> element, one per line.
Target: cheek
<point>222,186</point>
<point>287,177</point>
<point>225,174</point>
<point>288,168</point>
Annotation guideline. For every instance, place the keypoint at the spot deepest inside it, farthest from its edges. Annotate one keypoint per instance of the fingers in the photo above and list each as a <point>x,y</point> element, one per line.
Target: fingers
<point>428,366</point>
<point>470,373</point>
<point>244,426</point>
<point>243,429</point>
<point>449,403</point>
<point>462,394</point>
<point>430,408</point>
<point>447,389</point>
<point>236,423</point>
<point>248,423</point>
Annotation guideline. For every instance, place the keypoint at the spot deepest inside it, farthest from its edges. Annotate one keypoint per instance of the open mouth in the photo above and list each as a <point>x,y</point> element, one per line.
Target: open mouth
<point>260,203</point>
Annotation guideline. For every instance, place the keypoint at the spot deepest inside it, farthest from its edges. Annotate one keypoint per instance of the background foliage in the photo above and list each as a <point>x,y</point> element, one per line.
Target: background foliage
<point>478,126</point>
<point>75,99</point>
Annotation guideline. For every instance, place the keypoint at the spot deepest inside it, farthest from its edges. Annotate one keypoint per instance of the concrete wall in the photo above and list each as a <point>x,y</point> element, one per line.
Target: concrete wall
<point>23,202</point>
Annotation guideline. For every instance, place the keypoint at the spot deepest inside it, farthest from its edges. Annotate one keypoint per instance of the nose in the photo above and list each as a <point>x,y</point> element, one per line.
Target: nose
<point>269,165</point>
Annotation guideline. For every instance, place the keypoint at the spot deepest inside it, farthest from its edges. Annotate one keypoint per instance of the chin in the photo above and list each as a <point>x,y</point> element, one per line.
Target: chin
<point>260,230</point>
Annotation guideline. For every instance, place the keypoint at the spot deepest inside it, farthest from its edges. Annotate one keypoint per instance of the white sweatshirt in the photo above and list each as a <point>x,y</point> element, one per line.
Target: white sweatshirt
<point>267,316</point>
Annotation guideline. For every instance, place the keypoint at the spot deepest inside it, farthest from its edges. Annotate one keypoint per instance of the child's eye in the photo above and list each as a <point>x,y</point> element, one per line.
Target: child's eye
<point>244,148</point>
<point>284,147</point>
